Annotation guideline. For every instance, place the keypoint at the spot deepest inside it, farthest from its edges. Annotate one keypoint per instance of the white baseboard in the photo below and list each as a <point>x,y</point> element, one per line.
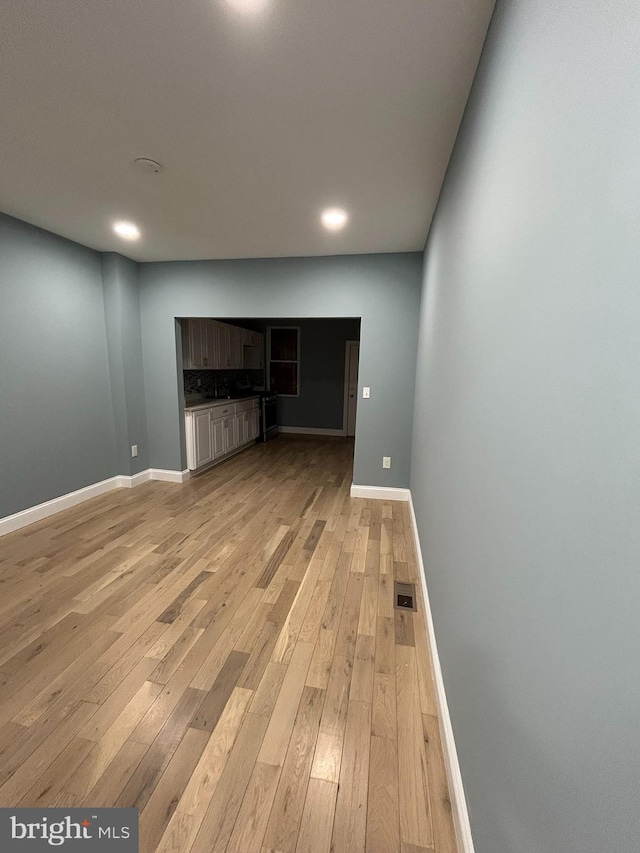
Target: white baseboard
<point>127,482</point>
<point>310,431</point>
<point>44,510</point>
<point>169,476</point>
<point>454,776</point>
<point>380,493</point>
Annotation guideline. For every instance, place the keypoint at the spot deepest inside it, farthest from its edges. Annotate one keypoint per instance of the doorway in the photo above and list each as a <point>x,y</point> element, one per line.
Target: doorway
<point>352,358</point>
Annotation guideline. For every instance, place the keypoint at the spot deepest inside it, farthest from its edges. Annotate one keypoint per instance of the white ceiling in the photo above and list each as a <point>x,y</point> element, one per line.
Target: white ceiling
<point>261,117</point>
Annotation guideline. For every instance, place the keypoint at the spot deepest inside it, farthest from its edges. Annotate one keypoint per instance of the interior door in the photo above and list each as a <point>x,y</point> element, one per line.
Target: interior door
<point>351,374</point>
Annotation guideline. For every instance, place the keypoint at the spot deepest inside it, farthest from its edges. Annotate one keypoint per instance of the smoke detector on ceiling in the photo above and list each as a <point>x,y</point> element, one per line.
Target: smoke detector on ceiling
<point>150,167</point>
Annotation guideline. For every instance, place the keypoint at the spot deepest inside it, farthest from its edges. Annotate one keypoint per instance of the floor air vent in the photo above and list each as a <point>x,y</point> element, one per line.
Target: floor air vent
<point>404,596</point>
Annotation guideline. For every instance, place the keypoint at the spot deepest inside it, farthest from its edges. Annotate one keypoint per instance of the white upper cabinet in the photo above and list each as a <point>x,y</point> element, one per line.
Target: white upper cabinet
<point>210,344</point>
<point>198,344</point>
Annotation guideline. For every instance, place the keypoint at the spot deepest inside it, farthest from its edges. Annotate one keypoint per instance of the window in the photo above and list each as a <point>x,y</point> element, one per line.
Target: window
<point>284,360</point>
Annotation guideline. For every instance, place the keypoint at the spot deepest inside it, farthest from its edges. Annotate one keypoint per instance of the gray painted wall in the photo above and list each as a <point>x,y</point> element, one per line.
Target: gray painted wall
<point>56,419</point>
<point>322,363</point>
<point>382,289</point>
<point>124,341</point>
<point>526,462</point>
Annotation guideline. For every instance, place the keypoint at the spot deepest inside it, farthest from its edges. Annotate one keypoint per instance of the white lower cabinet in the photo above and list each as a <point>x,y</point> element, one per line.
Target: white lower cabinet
<point>203,453</point>
<point>242,427</point>
<point>217,438</point>
<point>218,430</point>
<point>230,433</point>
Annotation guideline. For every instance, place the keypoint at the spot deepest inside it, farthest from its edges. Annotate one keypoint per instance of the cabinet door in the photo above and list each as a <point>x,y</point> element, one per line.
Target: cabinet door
<point>186,347</point>
<point>230,439</point>
<point>239,424</point>
<point>244,427</point>
<point>202,437</point>
<point>208,343</point>
<point>196,343</point>
<point>217,437</point>
<point>237,349</point>
<point>224,345</point>
<point>217,354</point>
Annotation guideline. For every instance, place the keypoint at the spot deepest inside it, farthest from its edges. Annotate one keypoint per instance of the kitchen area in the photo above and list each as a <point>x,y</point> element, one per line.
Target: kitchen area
<point>243,382</point>
<point>227,406</point>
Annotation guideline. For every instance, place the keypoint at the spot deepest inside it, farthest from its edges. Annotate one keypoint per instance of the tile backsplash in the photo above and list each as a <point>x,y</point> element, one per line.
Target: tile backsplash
<point>223,378</point>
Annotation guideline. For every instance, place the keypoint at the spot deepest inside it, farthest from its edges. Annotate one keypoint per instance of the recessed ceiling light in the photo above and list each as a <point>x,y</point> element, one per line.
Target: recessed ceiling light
<point>126,230</point>
<point>248,7</point>
<point>334,218</point>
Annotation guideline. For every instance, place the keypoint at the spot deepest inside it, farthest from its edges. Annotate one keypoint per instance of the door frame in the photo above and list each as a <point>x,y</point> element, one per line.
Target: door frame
<point>345,404</point>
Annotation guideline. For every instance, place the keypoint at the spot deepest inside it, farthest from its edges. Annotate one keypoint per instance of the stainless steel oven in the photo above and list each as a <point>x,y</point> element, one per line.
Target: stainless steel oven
<point>268,416</point>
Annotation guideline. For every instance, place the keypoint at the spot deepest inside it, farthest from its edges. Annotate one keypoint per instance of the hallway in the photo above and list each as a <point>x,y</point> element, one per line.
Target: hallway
<point>225,656</point>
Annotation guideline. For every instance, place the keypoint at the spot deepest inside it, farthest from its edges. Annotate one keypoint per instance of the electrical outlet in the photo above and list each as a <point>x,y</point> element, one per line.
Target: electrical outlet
<point>199,382</point>
<point>366,393</point>
<point>386,462</point>
<point>134,450</point>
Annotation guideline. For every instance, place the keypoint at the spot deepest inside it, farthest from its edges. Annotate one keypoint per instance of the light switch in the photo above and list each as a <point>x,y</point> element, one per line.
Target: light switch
<point>366,393</point>
<point>134,450</point>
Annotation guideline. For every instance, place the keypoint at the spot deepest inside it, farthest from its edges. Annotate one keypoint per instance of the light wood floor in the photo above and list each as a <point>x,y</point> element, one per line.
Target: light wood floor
<point>225,656</point>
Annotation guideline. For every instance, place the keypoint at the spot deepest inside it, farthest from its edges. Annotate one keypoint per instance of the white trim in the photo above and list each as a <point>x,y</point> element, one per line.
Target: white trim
<point>380,493</point>
<point>310,431</point>
<point>135,480</point>
<point>169,476</point>
<point>454,776</point>
<point>44,510</point>
<point>345,403</point>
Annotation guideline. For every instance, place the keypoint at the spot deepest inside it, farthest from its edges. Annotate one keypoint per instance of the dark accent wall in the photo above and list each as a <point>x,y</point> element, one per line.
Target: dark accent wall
<point>322,357</point>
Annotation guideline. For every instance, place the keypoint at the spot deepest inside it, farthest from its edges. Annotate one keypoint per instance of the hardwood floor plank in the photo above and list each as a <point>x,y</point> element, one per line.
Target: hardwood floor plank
<point>142,781</point>
<point>108,745</point>
<point>286,813</point>
<point>116,775</point>
<point>316,825</point>
<point>277,736</point>
<point>251,823</point>
<point>219,819</point>
<point>383,822</point>
<point>268,690</point>
<point>161,805</point>
<point>32,768</point>
<point>45,792</point>
<point>383,720</point>
<point>189,814</point>
<point>415,817</point>
<point>350,823</point>
<point>444,835</point>
<point>214,703</point>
